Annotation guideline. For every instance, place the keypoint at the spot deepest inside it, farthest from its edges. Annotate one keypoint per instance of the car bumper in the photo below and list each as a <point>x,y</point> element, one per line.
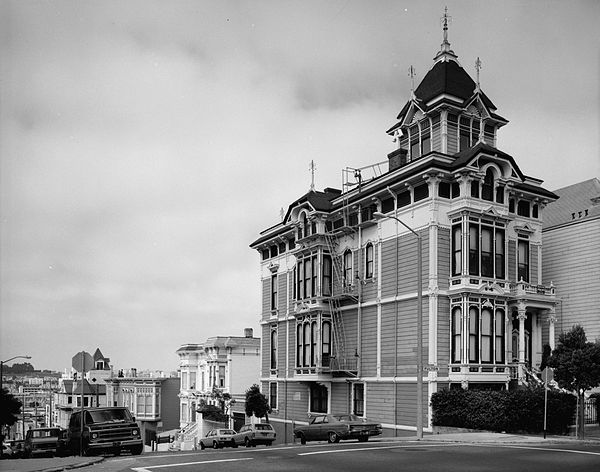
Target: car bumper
<point>114,444</point>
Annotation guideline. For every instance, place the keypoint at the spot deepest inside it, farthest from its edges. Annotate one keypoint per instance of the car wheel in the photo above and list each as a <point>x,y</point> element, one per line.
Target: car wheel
<point>215,445</point>
<point>202,446</point>
<point>333,437</point>
<point>137,450</point>
<point>302,438</point>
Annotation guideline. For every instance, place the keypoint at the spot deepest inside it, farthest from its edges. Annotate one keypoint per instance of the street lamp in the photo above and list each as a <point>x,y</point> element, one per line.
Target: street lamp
<point>2,366</point>
<point>379,215</point>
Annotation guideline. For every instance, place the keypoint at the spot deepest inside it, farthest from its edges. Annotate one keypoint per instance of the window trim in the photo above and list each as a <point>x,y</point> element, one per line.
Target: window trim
<point>369,260</point>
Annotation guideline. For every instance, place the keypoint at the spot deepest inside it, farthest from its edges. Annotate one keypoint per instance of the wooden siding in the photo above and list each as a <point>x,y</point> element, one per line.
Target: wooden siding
<point>340,397</point>
<point>350,320</point>
<point>571,260</point>
<point>388,339</point>
<point>388,402</point>
<point>443,335</point>
<point>398,274</point>
<point>282,292</point>
<point>266,298</point>
<point>266,346</point>
<point>511,270</point>
<point>443,242</point>
<point>368,352</point>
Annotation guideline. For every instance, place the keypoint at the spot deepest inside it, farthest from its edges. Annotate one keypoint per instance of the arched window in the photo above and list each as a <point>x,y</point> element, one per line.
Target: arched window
<point>348,267</point>
<point>305,226</point>
<point>369,263</point>
<point>487,189</point>
<point>486,336</point>
<point>499,335</point>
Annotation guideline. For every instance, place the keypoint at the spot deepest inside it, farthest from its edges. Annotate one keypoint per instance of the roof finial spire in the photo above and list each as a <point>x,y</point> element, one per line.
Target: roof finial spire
<point>477,68</point>
<point>312,168</point>
<point>445,53</point>
<point>411,74</point>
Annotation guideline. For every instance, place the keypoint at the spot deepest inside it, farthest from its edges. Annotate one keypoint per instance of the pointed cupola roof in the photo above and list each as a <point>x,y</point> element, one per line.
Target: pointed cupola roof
<point>445,82</point>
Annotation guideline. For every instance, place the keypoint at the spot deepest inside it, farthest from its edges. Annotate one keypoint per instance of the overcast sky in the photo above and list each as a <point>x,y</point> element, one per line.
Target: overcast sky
<point>144,145</point>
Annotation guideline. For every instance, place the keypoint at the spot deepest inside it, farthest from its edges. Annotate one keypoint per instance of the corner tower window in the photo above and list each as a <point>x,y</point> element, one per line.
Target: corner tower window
<point>487,189</point>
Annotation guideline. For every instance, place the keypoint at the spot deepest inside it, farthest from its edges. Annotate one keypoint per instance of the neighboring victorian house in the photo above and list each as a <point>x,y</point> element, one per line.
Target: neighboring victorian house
<point>68,396</point>
<point>229,364</point>
<point>152,400</point>
<point>572,255</point>
<point>339,273</point>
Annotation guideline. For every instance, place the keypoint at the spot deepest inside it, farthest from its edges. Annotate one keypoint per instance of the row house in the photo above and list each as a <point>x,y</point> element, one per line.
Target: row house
<point>223,364</point>
<point>154,401</point>
<point>339,274</point>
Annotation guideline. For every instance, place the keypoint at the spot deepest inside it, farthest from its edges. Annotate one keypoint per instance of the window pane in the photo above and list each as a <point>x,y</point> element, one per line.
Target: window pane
<point>487,263</point>
<point>474,249</point>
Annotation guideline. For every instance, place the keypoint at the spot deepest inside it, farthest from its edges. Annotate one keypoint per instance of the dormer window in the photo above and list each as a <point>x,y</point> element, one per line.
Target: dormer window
<point>523,208</point>
<point>487,189</point>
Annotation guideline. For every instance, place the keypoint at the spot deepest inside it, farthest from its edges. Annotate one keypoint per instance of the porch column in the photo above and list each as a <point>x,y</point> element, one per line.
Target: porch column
<point>551,321</point>
<point>522,316</point>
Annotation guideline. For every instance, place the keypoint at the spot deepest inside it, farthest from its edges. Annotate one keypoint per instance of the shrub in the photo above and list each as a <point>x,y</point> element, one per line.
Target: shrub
<point>511,411</point>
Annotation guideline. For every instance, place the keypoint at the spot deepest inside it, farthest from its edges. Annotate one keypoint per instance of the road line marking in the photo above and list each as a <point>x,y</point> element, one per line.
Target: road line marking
<point>541,448</point>
<point>147,468</point>
<point>359,449</point>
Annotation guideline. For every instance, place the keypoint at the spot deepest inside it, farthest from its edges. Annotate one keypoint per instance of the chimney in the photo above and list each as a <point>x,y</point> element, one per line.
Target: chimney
<point>248,332</point>
<point>397,159</point>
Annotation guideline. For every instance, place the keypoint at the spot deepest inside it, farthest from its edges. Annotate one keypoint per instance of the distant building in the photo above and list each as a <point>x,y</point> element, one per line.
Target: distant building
<point>230,364</point>
<point>572,255</point>
<point>69,398</point>
<point>152,400</point>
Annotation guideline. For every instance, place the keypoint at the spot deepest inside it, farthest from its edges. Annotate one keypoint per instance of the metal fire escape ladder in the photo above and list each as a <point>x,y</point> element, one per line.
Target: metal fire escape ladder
<point>339,336</point>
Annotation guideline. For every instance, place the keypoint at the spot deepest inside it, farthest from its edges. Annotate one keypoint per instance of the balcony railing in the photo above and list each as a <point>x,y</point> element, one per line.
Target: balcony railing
<point>525,288</point>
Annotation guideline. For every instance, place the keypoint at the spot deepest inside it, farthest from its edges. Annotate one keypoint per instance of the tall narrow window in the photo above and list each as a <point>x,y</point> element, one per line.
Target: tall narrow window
<point>523,260</point>
<point>456,331</point>
<point>475,188</point>
<point>499,335</point>
<point>305,225</point>
<point>326,343</point>
<point>348,267</point>
<point>486,336</point>
<point>274,349</point>
<point>300,279</point>
<point>369,261</point>
<point>318,398</point>
<point>487,189</point>
<point>306,361</point>
<point>523,208</point>
<point>487,257</point>
<point>465,133</point>
<point>499,255</point>
<point>456,249</point>
<point>299,345</point>
<point>273,395</point>
<point>474,249</point>
<point>307,278</point>
<point>315,276</point>
<point>358,399</point>
<point>473,334</point>
<point>327,281</point>
<point>313,343</point>
<point>274,292</point>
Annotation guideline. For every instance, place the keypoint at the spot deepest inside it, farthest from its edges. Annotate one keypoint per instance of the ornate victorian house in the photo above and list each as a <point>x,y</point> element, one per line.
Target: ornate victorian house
<point>340,272</point>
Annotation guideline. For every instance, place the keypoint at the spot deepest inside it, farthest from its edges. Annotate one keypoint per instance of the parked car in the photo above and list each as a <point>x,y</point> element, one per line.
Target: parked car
<point>218,438</point>
<point>42,441</point>
<point>253,434</point>
<point>105,429</point>
<point>335,427</point>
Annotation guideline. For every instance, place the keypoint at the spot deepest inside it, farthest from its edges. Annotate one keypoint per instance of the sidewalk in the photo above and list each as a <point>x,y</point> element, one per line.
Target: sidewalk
<point>47,464</point>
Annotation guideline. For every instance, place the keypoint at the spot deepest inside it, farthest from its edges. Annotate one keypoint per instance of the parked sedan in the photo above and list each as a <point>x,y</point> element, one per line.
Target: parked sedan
<point>253,434</point>
<point>335,427</point>
<point>42,441</point>
<point>218,438</point>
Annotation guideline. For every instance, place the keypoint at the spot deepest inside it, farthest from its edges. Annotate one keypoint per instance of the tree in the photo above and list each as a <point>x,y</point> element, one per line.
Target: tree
<point>256,403</point>
<point>576,365</point>
<point>10,408</point>
<point>223,398</point>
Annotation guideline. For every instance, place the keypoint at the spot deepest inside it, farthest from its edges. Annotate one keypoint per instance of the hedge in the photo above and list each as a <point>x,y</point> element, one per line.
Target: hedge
<point>510,411</point>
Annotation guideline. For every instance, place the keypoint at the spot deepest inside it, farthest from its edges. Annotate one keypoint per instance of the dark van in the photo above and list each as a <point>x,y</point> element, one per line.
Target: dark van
<point>105,430</point>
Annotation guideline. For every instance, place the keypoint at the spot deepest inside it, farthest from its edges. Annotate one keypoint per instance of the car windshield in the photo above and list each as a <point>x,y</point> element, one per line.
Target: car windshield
<point>107,416</point>
<point>264,427</point>
<point>345,418</point>
<point>44,433</point>
<point>227,431</point>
